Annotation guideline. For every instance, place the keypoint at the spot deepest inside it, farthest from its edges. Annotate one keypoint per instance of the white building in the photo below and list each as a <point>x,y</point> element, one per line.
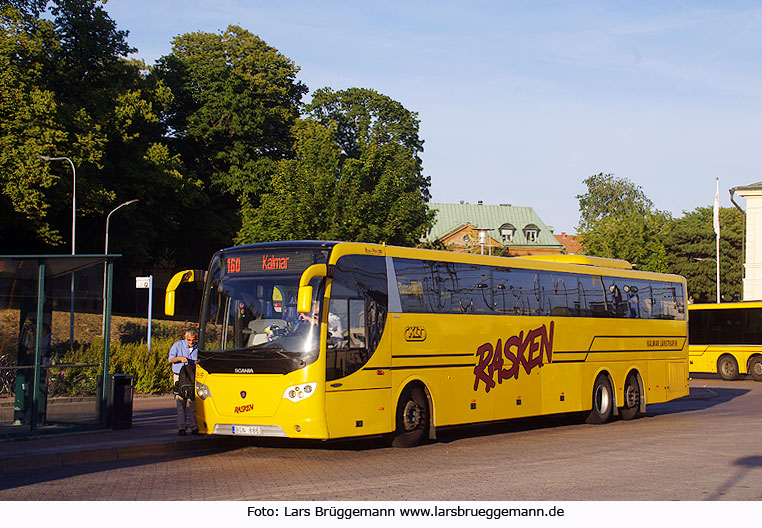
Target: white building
<point>752,282</point>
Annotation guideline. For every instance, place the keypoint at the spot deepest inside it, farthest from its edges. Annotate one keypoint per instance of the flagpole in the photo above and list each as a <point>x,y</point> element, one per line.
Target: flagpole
<point>717,232</point>
<point>718,268</point>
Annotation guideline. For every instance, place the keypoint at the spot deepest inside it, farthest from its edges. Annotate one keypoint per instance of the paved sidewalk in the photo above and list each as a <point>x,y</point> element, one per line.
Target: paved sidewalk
<point>153,433</point>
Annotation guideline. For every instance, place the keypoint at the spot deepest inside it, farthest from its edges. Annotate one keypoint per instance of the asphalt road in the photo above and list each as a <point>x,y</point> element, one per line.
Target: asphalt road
<point>706,447</point>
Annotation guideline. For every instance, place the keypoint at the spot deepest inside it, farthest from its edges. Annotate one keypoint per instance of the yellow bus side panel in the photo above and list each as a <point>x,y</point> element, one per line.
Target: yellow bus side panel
<point>451,355</point>
<point>704,358</point>
<point>677,384</point>
<point>656,382</point>
<point>561,392</point>
<point>701,360</point>
<point>359,412</point>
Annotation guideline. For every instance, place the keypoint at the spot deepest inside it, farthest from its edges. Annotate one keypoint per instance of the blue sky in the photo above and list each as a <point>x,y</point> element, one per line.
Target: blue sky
<point>520,101</point>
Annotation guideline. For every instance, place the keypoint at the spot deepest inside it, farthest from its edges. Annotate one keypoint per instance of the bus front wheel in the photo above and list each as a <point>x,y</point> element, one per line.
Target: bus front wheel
<point>727,368</point>
<point>603,401</point>
<point>755,368</point>
<point>412,418</point>
<point>632,397</point>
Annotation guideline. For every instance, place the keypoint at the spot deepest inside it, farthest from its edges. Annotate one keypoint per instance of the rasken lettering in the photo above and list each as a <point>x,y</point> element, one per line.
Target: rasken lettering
<point>271,262</point>
<point>519,351</point>
<point>244,408</point>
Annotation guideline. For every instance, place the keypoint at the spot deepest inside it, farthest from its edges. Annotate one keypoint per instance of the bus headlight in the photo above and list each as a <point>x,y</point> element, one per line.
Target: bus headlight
<point>300,392</point>
<point>202,391</point>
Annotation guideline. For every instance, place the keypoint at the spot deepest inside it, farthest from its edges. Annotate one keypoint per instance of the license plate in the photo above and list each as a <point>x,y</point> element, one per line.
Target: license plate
<point>251,430</point>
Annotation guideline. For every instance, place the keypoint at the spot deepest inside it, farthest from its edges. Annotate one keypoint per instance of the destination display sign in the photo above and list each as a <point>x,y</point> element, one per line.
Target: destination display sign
<point>272,262</point>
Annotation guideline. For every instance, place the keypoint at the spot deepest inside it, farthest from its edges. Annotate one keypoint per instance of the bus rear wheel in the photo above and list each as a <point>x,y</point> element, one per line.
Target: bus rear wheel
<point>755,368</point>
<point>727,368</point>
<point>632,397</point>
<point>603,401</point>
<point>412,418</point>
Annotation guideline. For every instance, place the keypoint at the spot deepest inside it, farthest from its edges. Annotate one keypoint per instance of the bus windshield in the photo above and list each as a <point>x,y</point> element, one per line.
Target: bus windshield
<point>249,321</point>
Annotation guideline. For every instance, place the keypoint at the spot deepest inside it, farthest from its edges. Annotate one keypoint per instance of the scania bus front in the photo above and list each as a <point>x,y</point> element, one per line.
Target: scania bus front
<point>260,371</point>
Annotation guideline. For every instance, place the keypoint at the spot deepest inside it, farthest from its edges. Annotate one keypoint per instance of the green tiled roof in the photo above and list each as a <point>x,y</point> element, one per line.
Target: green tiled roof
<point>452,216</point>
<point>751,187</point>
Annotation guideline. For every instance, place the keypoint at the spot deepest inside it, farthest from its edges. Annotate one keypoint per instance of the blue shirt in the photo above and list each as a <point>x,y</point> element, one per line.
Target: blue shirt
<point>181,349</point>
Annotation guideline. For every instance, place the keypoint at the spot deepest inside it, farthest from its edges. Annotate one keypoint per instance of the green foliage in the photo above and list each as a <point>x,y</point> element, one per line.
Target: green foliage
<point>28,127</point>
<point>691,249</point>
<point>67,89</point>
<point>617,220</point>
<point>130,333</point>
<point>236,99</point>
<point>151,371</point>
<point>356,176</point>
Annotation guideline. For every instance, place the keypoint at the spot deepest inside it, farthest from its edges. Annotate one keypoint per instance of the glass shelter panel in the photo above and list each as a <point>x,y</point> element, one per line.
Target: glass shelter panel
<point>52,349</point>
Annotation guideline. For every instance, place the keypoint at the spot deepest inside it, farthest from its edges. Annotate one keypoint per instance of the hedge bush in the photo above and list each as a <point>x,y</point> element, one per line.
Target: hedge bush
<point>151,372</point>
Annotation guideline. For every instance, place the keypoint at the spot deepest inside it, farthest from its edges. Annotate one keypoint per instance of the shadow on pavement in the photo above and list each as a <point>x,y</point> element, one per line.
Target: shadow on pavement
<point>746,464</point>
<point>713,396</point>
<point>23,477</point>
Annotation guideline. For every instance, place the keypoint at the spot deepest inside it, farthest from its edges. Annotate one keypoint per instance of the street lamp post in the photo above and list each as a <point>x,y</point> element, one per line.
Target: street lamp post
<point>108,218</point>
<point>73,235</point>
<point>105,252</point>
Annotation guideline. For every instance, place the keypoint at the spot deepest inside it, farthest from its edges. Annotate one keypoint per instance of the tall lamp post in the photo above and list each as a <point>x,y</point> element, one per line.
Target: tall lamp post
<point>105,252</point>
<point>73,235</point>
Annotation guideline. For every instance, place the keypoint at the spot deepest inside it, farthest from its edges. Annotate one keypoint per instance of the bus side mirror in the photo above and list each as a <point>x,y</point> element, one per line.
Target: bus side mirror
<point>304,300</point>
<point>169,303</point>
<point>174,282</point>
<point>304,304</point>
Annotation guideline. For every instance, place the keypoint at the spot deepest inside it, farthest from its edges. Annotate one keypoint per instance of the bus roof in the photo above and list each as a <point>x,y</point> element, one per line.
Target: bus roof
<point>582,263</point>
<point>285,244</point>
<point>583,260</point>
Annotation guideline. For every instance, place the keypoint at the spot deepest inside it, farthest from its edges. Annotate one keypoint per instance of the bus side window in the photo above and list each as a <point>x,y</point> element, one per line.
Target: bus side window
<point>753,326</point>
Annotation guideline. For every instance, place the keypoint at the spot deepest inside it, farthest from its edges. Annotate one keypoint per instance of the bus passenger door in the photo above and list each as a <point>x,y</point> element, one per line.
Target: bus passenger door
<point>358,351</point>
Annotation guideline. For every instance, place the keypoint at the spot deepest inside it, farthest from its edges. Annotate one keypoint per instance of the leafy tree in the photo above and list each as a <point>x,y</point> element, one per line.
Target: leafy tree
<point>617,220</point>
<point>692,240</point>
<point>68,90</point>
<point>364,118</point>
<point>357,176</point>
<point>236,99</point>
<point>28,128</point>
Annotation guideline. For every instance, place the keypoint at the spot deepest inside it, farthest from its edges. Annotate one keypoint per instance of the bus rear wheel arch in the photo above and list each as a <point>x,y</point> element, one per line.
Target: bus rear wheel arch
<point>727,367</point>
<point>755,368</point>
<point>603,401</point>
<point>412,418</point>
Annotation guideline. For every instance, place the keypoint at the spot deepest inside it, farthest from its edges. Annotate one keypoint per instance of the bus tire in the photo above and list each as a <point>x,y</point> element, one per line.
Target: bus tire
<point>755,368</point>
<point>603,401</point>
<point>632,397</point>
<point>412,418</point>
<point>727,368</point>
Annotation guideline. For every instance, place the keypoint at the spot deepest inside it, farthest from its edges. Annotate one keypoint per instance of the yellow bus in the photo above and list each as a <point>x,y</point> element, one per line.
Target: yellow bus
<point>726,339</point>
<point>328,340</point>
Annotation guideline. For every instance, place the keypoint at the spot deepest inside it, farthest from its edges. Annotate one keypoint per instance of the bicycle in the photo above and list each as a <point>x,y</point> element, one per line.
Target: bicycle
<point>7,375</point>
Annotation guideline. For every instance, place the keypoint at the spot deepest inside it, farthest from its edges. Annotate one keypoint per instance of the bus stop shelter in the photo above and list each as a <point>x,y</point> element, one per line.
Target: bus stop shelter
<point>53,377</point>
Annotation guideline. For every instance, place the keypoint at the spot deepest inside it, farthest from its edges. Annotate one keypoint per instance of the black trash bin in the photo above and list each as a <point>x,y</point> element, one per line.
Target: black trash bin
<point>119,406</point>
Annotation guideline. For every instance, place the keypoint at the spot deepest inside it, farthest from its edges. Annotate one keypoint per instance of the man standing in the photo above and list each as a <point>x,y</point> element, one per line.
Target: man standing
<point>185,352</point>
